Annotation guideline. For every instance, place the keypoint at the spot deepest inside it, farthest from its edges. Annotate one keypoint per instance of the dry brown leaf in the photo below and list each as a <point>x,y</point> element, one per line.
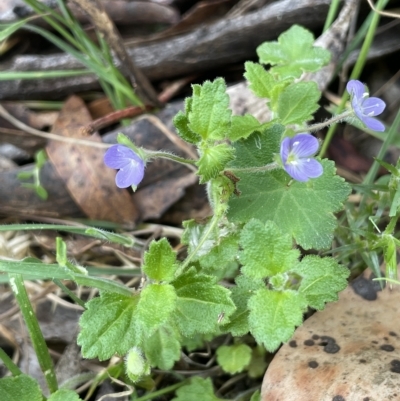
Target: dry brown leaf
<point>90,183</point>
<point>348,352</point>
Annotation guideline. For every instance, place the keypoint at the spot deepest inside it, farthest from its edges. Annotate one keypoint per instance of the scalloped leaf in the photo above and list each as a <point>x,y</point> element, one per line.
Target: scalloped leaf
<point>20,388</point>
<point>209,114</point>
<point>302,209</point>
<point>274,316</point>
<point>293,53</point>
<point>323,279</point>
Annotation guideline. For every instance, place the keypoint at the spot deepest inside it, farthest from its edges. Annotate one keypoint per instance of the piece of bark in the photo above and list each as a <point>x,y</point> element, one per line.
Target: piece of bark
<point>334,39</point>
<point>121,12</point>
<point>206,48</point>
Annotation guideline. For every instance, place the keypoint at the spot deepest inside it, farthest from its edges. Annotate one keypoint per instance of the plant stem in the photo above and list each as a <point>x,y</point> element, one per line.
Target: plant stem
<point>333,8</point>
<point>203,239</point>
<point>169,156</point>
<point>361,60</point>
<point>10,365</point>
<point>318,126</point>
<point>392,225</point>
<point>38,342</point>
<point>267,167</point>
<point>163,391</point>
<point>391,135</point>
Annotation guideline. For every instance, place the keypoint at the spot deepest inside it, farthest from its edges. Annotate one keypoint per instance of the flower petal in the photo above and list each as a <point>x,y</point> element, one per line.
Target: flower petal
<point>313,168</point>
<point>118,156</point>
<point>304,145</point>
<point>356,106</point>
<point>304,169</point>
<point>373,106</point>
<point>356,89</point>
<point>129,175</point>
<point>296,172</point>
<point>374,124</point>
<point>285,149</point>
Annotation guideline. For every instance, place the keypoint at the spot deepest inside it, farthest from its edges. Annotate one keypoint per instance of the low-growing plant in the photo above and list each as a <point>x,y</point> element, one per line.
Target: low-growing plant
<point>256,264</point>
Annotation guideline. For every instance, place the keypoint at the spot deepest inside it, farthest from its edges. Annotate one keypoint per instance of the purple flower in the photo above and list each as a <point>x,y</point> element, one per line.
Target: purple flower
<point>130,165</point>
<point>365,107</point>
<point>296,155</point>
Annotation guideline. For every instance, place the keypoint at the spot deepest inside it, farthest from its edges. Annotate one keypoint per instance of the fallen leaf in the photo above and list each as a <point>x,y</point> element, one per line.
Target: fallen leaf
<point>90,183</point>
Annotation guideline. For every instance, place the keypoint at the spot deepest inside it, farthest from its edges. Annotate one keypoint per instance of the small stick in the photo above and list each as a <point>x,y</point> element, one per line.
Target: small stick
<point>134,111</point>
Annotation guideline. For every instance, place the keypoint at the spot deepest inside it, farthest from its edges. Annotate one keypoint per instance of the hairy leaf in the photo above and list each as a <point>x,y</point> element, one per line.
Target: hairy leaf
<point>213,160</point>
<point>210,116</point>
<point>274,316</point>
<point>163,348</point>
<point>159,261</point>
<point>322,279</point>
<point>233,358</point>
<point>243,126</point>
<point>293,53</point>
<point>181,123</point>
<point>241,293</point>
<point>156,303</point>
<point>298,102</point>
<point>109,326</point>
<point>200,303</point>
<point>301,209</point>
<point>64,395</point>
<point>20,388</point>
<point>266,251</point>
<point>198,389</point>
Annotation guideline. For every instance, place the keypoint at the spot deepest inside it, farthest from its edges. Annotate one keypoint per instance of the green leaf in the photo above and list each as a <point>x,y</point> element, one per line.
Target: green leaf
<point>243,126</point>
<point>64,395</point>
<point>220,255</point>
<point>136,365</point>
<point>181,123</point>
<point>293,53</point>
<point>157,301</point>
<point>196,341</point>
<point>198,389</point>
<point>163,348</point>
<point>256,396</point>
<point>210,116</point>
<point>258,364</point>
<point>109,326</point>
<point>25,175</point>
<point>274,315</point>
<point>298,102</point>
<point>20,388</point>
<point>160,261</point>
<point>9,29</point>
<point>200,304</point>
<point>261,82</point>
<point>241,293</point>
<point>301,209</point>
<point>266,251</point>
<point>233,358</point>
<point>192,235</point>
<point>40,158</point>
<point>322,279</point>
<point>213,160</point>
<point>41,192</point>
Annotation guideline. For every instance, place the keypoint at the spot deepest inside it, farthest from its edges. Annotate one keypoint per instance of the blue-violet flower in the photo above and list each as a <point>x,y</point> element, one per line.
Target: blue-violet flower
<point>364,106</point>
<point>130,165</point>
<point>296,155</point>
